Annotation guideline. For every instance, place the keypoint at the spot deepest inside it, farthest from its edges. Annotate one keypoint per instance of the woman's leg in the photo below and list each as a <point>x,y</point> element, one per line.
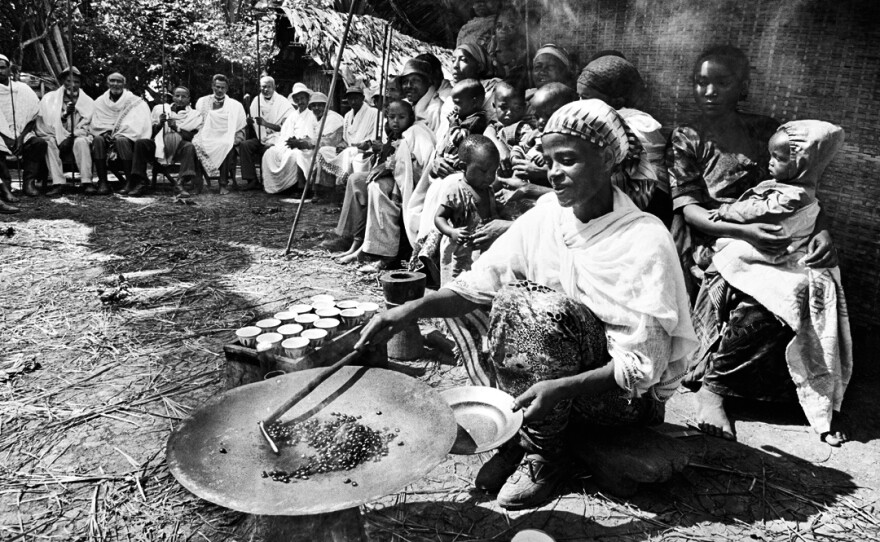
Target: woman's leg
<point>742,353</point>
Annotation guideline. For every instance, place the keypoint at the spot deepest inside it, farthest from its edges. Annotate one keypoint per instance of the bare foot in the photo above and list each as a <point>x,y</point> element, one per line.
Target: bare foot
<point>711,417</point>
<point>838,434</point>
<point>223,191</point>
<point>355,247</point>
<point>350,257</point>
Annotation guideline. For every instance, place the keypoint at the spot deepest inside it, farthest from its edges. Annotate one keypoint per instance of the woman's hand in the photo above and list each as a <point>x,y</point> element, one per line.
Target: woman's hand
<point>443,167</point>
<point>486,234</point>
<point>821,252</point>
<point>766,237</point>
<point>505,196</point>
<point>539,400</point>
<point>383,326</point>
<point>526,169</point>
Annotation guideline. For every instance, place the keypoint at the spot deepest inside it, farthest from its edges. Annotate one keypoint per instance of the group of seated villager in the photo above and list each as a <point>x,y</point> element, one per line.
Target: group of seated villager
<point>584,262</point>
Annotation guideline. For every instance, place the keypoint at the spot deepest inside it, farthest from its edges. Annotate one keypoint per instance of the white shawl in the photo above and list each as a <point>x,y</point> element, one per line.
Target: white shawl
<point>217,136</point>
<point>428,108</point>
<point>128,117</point>
<point>622,266</point>
<point>49,120</point>
<point>27,106</point>
<point>410,159</point>
<point>275,111</point>
<point>356,129</point>
<point>187,119</point>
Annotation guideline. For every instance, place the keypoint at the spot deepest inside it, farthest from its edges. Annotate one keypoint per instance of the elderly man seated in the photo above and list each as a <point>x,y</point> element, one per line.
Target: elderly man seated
<point>18,115</point>
<point>223,129</point>
<point>359,127</point>
<point>268,112</point>
<point>120,119</point>
<point>64,124</point>
<point>174,127</point>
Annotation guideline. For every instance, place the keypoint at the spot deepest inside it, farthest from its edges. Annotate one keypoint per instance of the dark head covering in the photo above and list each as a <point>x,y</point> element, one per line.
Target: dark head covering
<point>614,78</point>
<point>418,67</point>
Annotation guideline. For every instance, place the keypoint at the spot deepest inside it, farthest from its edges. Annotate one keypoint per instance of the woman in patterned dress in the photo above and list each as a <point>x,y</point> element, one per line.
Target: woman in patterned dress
<point>588,314</point>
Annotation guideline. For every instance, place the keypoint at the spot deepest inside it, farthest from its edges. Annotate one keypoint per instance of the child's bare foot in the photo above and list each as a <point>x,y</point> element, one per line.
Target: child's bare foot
<point>838,434</point>
<point>711,417</point>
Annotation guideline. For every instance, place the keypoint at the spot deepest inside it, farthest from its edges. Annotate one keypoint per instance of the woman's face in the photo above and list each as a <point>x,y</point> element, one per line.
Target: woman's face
<point>414,87</point>
<point>717,88</point>
<point>464,66</point>
<point>576,169</point>
<point>548,69</point>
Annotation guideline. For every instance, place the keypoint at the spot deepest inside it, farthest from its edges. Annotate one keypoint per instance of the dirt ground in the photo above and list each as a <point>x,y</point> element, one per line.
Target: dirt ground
<point>91,390</point>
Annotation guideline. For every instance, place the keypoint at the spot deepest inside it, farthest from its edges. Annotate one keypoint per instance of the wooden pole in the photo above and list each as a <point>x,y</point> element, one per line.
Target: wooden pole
<point>383,75</point>
<point>321,127</point>
<point>70,67</point>
<point>260,85</point>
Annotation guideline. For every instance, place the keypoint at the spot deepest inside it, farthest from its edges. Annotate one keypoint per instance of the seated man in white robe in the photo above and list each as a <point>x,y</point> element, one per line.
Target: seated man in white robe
<point>289,161</point>
<point>174,127</point>
<point>359,128</point>
<point>62,110</point>
<point>18,115</point>
<point>222,129</point>
<point>267,113</point>
<point>120,118</point>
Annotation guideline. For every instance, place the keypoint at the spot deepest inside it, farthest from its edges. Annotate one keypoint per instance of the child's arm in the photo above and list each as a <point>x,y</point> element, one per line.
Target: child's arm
<point>503,150</point>
<point>443,221</point>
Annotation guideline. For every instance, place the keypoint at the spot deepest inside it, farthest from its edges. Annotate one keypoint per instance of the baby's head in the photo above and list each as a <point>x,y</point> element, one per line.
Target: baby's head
<point>480,159</point>
<point>548,99</point>
<point>399,117</point>
<point>782,167</point>
<point>510,103</point>
<point>468,97</point>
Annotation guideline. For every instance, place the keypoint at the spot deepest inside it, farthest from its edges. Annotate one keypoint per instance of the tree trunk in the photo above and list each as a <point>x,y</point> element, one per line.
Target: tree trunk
<point>59,42</point>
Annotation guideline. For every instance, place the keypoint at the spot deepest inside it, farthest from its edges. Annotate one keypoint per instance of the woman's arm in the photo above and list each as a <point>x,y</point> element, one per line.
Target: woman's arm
<point>540,399</point>
<point>765,237</point>
<point>443,303</point>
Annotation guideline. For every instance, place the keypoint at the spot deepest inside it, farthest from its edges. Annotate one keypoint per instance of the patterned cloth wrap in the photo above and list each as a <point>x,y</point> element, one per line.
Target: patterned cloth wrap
<point>534,334</point>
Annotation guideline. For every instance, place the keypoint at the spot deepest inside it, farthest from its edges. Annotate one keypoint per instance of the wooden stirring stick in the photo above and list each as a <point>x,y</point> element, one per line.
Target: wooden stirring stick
<point>298,396</point>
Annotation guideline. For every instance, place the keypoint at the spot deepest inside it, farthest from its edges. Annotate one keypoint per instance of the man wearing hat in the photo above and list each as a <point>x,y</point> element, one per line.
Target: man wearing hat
<point>63,123</point>
<point>416,79</point>
<point>18,114</point>
<point>267,113</point>
<point>288,162</point>
<point>120,119</point>
<point>359,128</point>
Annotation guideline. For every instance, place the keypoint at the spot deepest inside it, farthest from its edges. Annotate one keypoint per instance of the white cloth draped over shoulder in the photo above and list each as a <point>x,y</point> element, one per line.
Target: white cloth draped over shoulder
<point>275,111</point>
<point>128,117</point>
<point>217,136</point>
<point>49,120</point>
<point>428,108</point>
<point>622,266</point>
<point>27,107</point>
<point>357,128</point>
<point>280,162</point>
<point>410,159</point>
<point>187,119</point>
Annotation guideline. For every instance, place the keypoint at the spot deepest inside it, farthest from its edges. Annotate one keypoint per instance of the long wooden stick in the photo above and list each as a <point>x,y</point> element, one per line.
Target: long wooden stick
<point>321,127</point>
<point>70,67</point>
<point>382,78</point>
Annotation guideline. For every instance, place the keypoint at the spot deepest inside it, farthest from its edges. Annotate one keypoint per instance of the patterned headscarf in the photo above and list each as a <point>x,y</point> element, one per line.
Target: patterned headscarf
<point>613,77</point>
<point>597,122</point>
<point>557,52</point>
<point>479,54</point>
